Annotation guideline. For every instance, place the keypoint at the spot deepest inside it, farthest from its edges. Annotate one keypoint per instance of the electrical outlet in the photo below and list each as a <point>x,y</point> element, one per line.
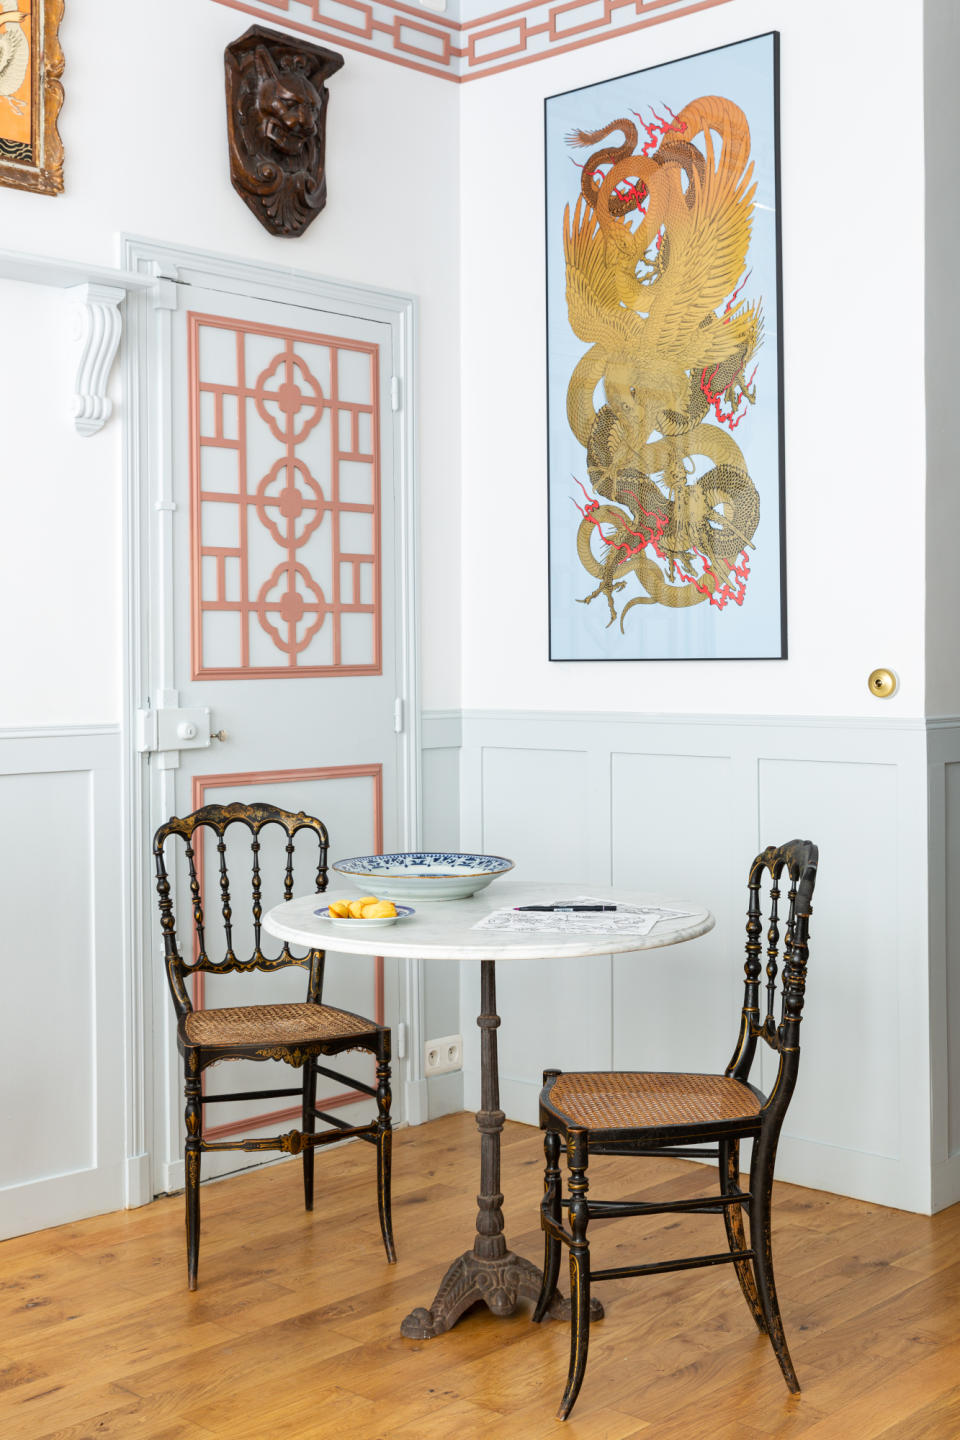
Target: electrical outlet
<point>443,1055</point>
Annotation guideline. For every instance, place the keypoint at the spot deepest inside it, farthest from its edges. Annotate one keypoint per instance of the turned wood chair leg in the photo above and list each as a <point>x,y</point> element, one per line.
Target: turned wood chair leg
<point>733,1221</point>
<point>761,1189</point>
<point>308,1124</point>
<point>553,1210</point>
<point>384,1153</point>
<point>579,1272</point>
<point>194,1123</point>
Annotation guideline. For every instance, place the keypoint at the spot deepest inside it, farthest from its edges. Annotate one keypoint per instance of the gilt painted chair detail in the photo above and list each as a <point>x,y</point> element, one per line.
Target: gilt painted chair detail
<point>687,1115</point>
<point>296,1034</point>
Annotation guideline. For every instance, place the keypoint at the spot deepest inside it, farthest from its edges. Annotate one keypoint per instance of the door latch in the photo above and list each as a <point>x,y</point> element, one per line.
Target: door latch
<point>172,728</point>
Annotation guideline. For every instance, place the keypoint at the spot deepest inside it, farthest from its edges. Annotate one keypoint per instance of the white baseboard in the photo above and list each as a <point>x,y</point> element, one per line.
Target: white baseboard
<point>445,1094</point>
<point>59,1200</point>
<point>416,1102</point>
<point>137,1184</point>
<point>172,1177</point>
<point>946,1184</point>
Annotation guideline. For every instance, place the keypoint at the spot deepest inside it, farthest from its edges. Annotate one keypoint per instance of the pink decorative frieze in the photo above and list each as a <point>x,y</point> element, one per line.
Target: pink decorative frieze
<point>517,35</point>
<point>285,501</point>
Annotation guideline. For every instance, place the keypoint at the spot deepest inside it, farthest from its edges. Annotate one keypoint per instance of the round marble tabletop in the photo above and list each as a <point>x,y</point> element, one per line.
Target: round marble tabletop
<point>443,929</point>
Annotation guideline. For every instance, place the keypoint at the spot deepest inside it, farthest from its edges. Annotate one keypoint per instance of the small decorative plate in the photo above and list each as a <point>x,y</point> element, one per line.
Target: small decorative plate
<point>423,874</point>
<point>349,923</point>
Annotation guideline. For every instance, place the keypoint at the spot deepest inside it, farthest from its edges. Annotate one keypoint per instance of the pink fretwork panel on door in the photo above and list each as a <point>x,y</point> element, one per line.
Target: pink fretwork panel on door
<point>285,501</point>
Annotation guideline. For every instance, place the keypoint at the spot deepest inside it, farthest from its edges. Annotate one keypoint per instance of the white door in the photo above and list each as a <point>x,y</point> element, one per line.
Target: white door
<point>274,600</point>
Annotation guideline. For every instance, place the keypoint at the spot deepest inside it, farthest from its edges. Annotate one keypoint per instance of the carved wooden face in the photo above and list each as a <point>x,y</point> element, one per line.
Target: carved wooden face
<point>276,112</point>
<point>287,106</point>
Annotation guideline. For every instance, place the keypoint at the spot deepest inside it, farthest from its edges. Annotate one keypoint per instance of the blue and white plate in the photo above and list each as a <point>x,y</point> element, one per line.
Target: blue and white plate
<point>423,874</point>
<point>348,922</point>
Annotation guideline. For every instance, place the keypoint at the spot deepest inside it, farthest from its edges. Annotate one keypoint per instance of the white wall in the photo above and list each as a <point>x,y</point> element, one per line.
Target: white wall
<point>143,126</point>
<point>629,772</point>
<point>145,153</point>
<point>853,336</point>
<point>942,318</point>
<point>436,189</point>
<point>59,526</point>
<point>942,321</point>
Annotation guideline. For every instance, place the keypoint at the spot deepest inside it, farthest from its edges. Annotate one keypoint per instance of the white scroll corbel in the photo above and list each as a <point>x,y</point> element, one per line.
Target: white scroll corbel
<point>98,325</point>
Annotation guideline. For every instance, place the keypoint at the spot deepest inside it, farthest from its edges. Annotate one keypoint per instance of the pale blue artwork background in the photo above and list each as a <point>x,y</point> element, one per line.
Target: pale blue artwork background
<point>743,73</point>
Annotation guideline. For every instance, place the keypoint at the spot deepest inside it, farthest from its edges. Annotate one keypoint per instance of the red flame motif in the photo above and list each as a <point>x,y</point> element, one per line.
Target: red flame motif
<point>736,413</point>
<point>658,127</point>
<point>722,592</point>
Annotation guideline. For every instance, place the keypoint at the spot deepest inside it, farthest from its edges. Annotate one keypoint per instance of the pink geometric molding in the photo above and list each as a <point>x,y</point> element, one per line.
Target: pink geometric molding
<point>519,34</point>
<point>271,527</point>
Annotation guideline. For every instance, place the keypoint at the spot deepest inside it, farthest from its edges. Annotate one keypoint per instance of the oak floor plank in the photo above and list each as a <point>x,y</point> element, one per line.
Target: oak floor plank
<point>939,1419</point>
<point>897,1400</point>
<point>143,1420</point>
<point>294,1330</point>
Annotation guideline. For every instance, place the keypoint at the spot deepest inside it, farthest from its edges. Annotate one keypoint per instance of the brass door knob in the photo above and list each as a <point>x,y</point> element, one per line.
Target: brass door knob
<point>882,683</point>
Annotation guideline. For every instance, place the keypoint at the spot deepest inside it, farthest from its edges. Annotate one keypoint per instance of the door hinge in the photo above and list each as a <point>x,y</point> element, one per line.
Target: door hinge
<point>398,716</point>
<point>402,1040</point>
<point>394,392</point>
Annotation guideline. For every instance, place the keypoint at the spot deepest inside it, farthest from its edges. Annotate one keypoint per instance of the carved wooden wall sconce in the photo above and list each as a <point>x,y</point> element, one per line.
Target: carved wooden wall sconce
<point>276,123</point>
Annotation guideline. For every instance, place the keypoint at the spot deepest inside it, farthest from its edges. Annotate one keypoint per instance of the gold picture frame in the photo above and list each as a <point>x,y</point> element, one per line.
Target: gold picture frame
<point>31,64</point>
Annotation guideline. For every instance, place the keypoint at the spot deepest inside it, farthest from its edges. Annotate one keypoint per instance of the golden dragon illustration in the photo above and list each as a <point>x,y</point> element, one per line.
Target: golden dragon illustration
<point>655,253</point>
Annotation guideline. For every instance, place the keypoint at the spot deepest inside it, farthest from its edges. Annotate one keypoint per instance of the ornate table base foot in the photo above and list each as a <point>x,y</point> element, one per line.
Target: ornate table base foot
<point>499,1283</point>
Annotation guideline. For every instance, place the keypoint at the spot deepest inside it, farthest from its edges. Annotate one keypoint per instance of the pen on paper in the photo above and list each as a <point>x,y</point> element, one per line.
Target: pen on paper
<point>564,908</point>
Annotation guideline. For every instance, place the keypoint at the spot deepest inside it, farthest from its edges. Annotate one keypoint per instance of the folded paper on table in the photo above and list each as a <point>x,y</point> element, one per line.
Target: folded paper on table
<point>625,920</point>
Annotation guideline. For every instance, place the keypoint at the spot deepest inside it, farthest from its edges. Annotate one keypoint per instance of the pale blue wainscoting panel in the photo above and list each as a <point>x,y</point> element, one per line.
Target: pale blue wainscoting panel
<point>681,804</point>
<point>676,831</point>
<point>534,808</point>
<point>441,736</point>
<point>952,869</point>
<point>537,800</point>
<point>847,1097</point>
<point>944,888</point>
<point>61,893</point>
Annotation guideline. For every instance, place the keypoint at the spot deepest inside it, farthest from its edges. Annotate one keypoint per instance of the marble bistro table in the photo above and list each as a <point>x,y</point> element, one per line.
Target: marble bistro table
<point>444,930</point>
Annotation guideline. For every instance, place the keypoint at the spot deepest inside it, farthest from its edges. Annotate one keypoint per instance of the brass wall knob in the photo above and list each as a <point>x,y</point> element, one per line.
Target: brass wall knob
<point>882,683</point>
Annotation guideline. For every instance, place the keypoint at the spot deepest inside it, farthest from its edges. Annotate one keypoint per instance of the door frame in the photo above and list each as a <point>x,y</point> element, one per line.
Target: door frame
<point>153,1164</point>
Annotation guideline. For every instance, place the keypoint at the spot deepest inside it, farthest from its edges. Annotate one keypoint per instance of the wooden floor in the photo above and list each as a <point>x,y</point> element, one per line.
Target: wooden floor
<point>293,1332</point>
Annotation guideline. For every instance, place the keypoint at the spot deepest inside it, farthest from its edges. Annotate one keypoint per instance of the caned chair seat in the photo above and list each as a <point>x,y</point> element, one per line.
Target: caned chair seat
<point>217,845</point>
<point>650,1114</point>
<point>624,1101</point>
<point>273,1025</point>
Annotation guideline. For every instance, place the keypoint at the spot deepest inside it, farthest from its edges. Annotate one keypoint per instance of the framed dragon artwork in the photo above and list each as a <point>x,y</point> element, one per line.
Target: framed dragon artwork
<point>664,371</point>
<point>31,64</point>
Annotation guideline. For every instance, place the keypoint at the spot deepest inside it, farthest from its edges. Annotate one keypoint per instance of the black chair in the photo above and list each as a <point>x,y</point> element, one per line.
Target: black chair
<point>640,1113</point>
<point>296,1034</point>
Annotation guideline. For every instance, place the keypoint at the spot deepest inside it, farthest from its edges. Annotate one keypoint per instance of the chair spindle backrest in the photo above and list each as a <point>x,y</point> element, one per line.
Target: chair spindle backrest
<point>795,865</point>
<point>218,819</point>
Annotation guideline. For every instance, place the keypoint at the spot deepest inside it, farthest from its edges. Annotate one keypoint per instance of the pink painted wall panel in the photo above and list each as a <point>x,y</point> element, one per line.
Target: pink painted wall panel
<point>285,501</point>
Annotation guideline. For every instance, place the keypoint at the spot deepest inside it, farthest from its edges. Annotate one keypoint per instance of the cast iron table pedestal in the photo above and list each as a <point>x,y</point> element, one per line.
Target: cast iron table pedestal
<point>489,1272</point>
